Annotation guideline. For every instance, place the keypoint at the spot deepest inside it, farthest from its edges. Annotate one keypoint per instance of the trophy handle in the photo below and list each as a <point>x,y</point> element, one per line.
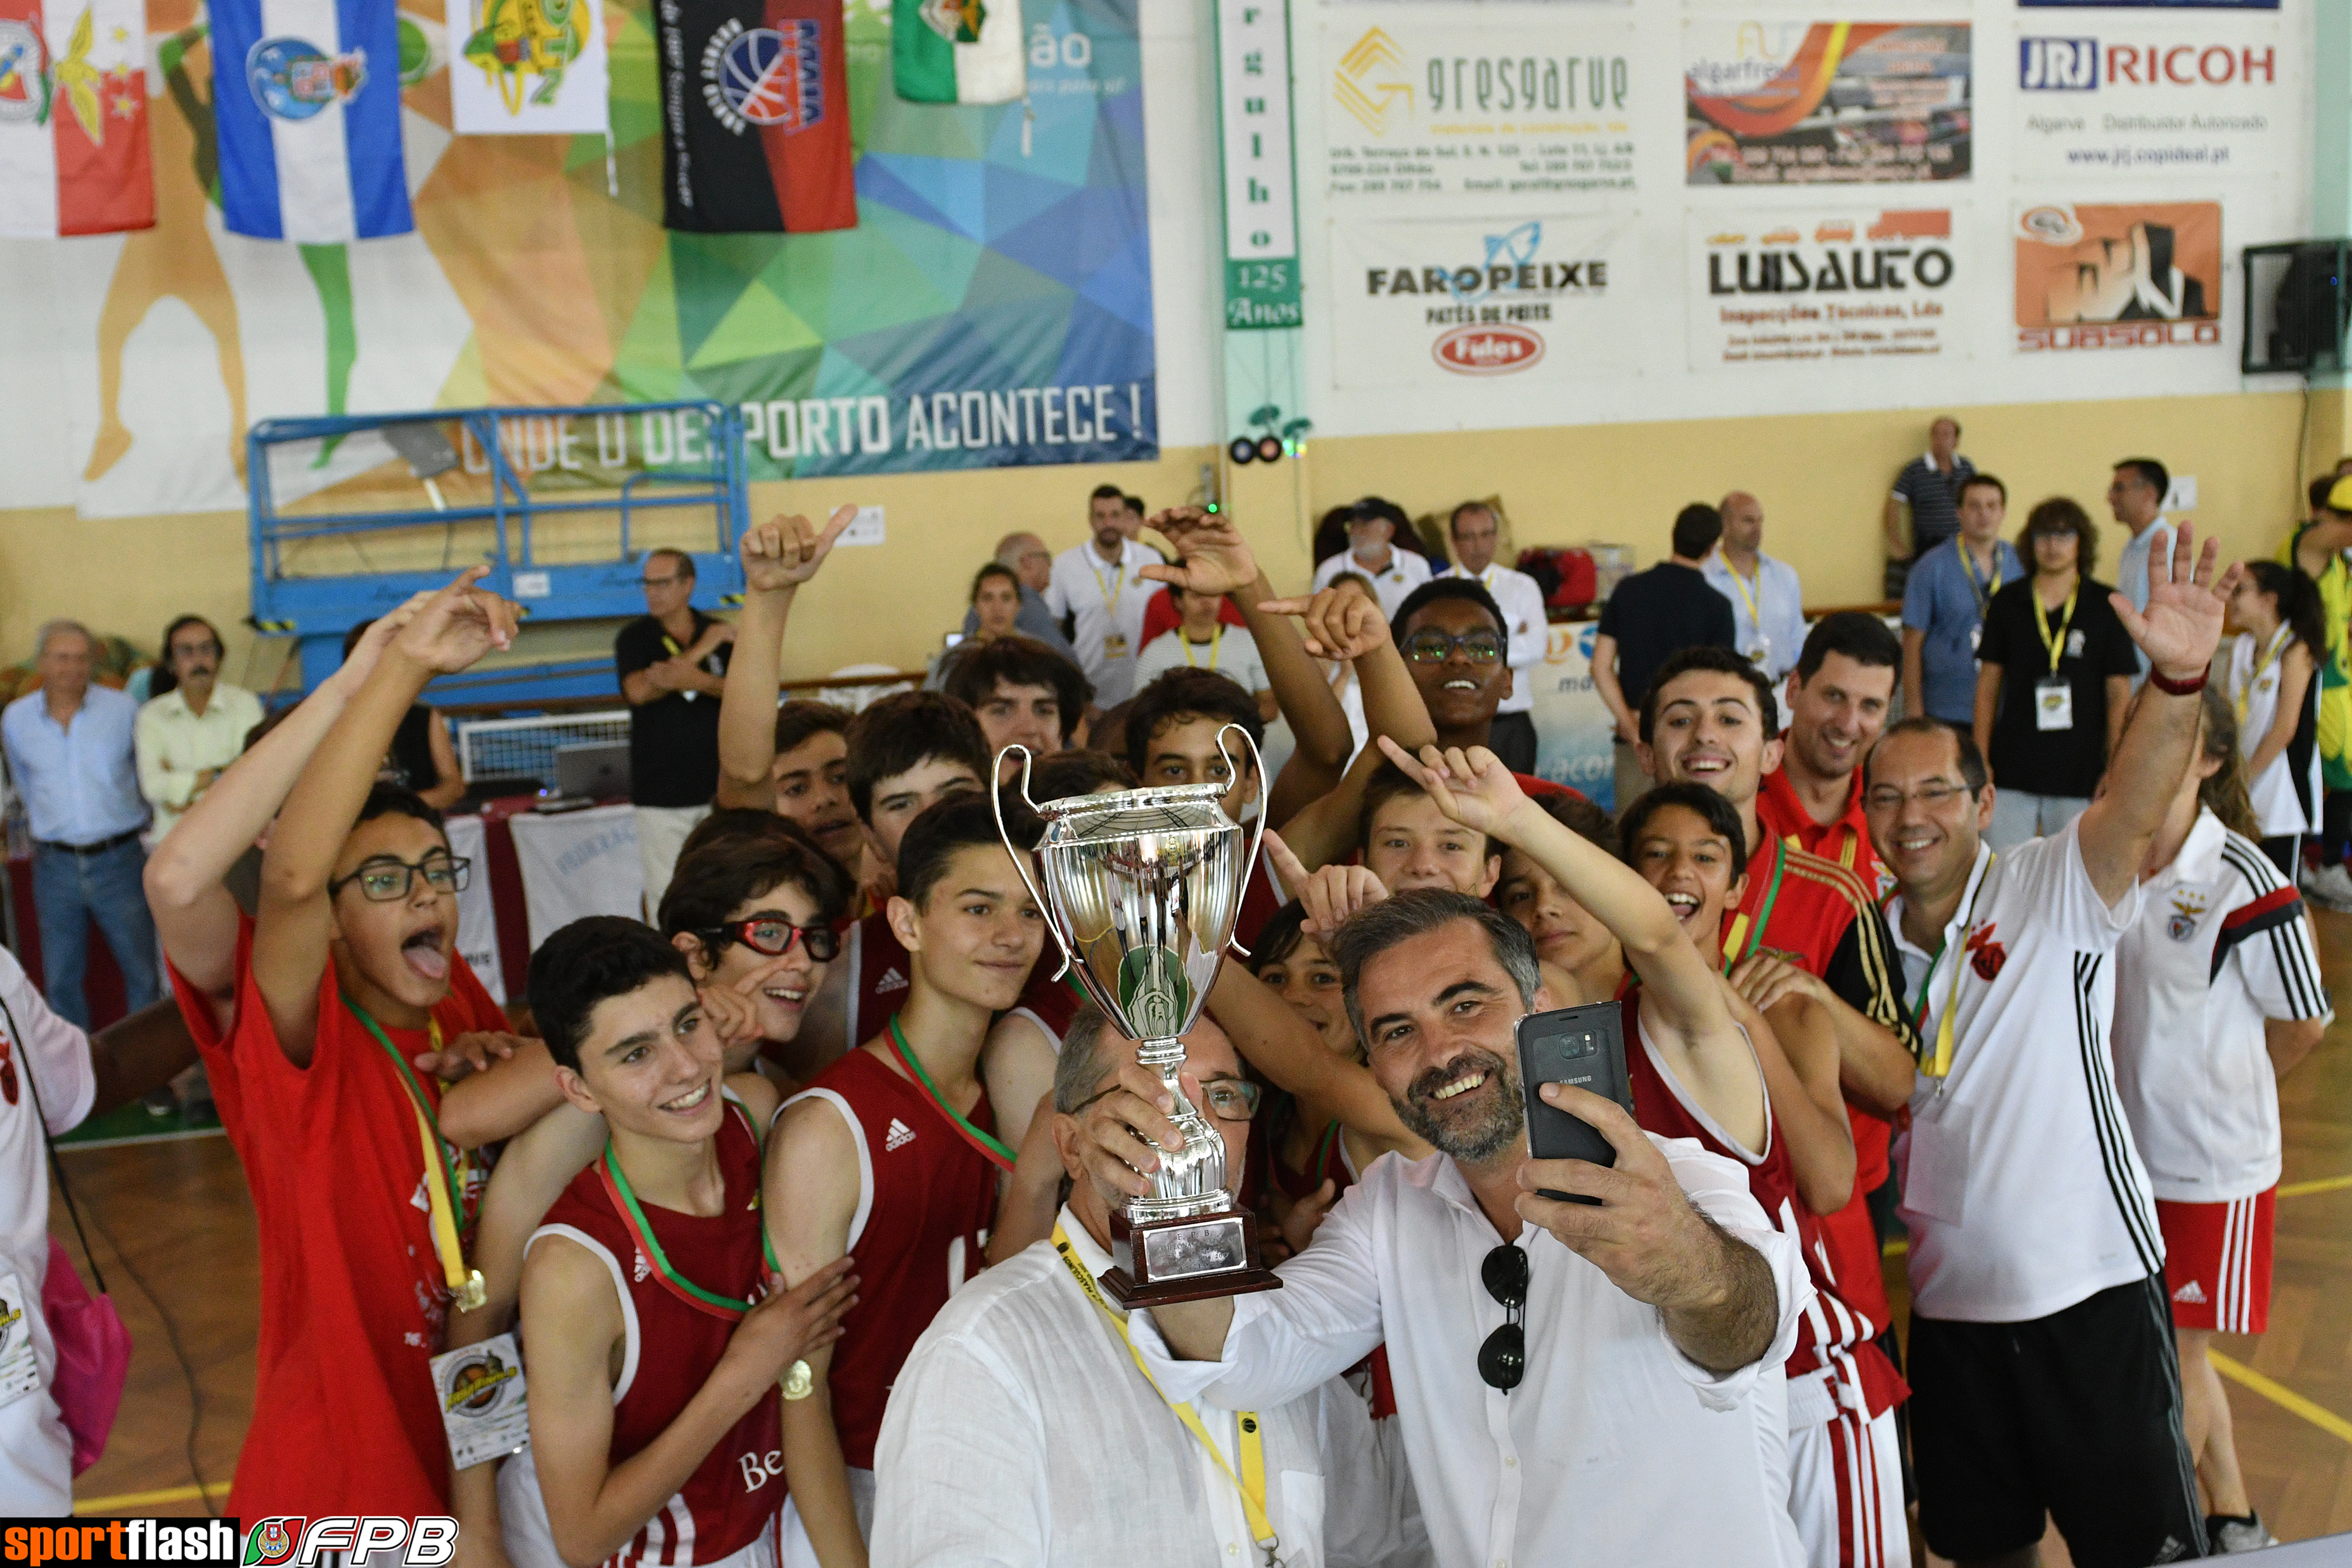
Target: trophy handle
<point>1264,801</point>
<point>1021,857</point>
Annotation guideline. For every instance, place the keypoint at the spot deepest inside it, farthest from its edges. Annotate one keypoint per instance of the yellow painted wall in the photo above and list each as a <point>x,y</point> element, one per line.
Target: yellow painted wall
<point>1822,478</point>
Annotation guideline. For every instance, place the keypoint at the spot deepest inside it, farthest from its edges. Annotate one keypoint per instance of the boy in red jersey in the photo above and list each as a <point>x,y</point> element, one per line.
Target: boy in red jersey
<point>891,1157</point>
<point>654,1381</point>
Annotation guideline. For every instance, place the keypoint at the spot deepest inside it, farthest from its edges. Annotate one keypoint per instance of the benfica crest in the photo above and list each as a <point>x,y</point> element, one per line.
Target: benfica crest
<point>2187,909</point>
<point>957,21</point>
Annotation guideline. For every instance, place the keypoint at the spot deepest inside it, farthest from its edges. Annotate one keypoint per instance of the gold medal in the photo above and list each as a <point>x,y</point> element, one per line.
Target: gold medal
<point>798,1382</point>
<point>473,1294</point>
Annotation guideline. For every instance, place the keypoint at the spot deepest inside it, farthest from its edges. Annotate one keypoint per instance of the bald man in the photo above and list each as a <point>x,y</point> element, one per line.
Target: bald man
<point>1768,604</point>
<point>1028,558</point>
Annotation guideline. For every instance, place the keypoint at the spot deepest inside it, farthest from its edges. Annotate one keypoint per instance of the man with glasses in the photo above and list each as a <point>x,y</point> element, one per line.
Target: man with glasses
<point>1609,1389</point>
<point>672,664</point>
<point>2037,1265</point>
<point>1475,530</point>
<point>195,724</point>
<point>1653,615</point>
<point>1021,1431</point>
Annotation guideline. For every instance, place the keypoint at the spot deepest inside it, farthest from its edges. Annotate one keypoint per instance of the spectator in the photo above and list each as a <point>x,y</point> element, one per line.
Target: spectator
<point>672,662</point>
<point>1476,530</point>
<point>1373,529</point>
<point>194,727</point>
<point>1944,605</point>
<point>995,613</point>
<point>2055,677</point>
<point>1031,565</point>
<point>1767,603</point>
<point>70,752</point>
<point>2271,662</point>
<point>1652,615</point>
<point>1202,640</point>
<point>2323,549</point>
<point>2135,496</point>
<point>1098,587</point>
<point>1929,486</point>
<point>421,759</point>
<point>1023,693</point>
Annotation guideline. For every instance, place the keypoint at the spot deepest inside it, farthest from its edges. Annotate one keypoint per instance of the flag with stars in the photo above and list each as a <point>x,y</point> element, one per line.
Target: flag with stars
<point>73,118</point>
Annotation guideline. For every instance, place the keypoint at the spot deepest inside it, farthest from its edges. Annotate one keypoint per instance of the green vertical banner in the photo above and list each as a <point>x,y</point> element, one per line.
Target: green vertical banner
<point>1262,369</point>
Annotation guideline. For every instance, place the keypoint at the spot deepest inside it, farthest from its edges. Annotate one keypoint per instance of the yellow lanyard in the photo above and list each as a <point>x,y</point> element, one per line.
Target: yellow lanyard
<point>1251,1445</point>
<point>1755,615</point>
<point>1983,591</point>
<point>1215,638</point>
<point>1115,586</point>
<point>2270,656</point>
<point>442,1159</point>
<point>2057,644</point>
<point>1938,1066</point>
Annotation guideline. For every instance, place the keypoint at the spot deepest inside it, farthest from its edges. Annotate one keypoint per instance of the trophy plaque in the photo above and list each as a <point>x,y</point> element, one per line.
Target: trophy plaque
<point>1141,891</point>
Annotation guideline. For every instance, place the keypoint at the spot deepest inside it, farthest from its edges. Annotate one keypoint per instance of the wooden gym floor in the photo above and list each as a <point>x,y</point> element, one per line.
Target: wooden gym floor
<point>173,1227</point>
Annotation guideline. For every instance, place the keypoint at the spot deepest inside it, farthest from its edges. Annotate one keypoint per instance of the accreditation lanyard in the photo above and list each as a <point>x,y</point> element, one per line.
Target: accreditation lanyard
<point>1250,1446</point>
<point>1752,600</point>
<point>1215,638</point>
<point>992,1147</point>
<point>641,1231</point>
<point>1744,930</point>
<point>442,1158</point>
<point>2055,644</point>
<point>1116,584</point>
<point>1983,591</point>
<point>2270,656</point>
<point>1939,1065</point>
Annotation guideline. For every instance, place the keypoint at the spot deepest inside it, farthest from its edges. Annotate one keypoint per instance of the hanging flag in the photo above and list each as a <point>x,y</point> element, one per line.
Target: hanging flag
<point>531,68</point>
<point>808,143</point>
<point>73,118</point>
<point>306,94</point>
<point>755,117</point>
<point>958,51</point>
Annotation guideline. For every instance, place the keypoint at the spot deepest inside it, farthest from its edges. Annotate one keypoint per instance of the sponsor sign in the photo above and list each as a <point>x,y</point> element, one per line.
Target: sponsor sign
<point>1261,194</point>
<point>2117,103</point>
<point>1572,723</point>
<point>2118,276</point>
<point>2154,5</point>
<point>1802,287</point>
<point>1831,103</point>
<point>1429,301</point>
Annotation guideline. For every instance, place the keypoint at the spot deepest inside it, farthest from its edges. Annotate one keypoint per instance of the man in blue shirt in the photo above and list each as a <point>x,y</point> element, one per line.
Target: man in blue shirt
<point>2136,498</point>
<point>70,754</point>
<point>1944,604</point>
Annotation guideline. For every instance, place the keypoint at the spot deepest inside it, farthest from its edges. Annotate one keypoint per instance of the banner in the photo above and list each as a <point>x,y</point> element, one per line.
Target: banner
<point>1426,301</point>
<point>1802,103</point>
<point>578,863</point>
<point>477,916</point>
<point>73,118</point>
<point>2198,98</point>
<point>1260,186</point>
<point>1797,285</point>
<point>1573,729</point>
<point>530,67</point>
<point>2118,276</point>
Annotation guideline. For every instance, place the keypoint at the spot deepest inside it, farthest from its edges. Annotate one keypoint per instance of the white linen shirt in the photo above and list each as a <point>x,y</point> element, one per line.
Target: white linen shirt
<point>1391,585</point>
<point>2021,1185</point>
<point>1522,605</point>
<point>1775,625</point>
<point>174,745</point>
<point>1106,602</point>
<point>1615,1449</point>
<point>1019,1432</point>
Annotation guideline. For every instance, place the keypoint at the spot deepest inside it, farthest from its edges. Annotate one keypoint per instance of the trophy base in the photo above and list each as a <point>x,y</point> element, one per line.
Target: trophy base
<point>1160,1262</point>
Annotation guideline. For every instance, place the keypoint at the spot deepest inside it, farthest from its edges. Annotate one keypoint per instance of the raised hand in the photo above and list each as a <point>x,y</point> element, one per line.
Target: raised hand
<point>459,625</point>
<point>1330,895</point>
<point>1473,787</point>
<point>785,551</point>
<point>2181,627</point>
<point>1340,624</point>
<point>1213,557</point>
<point>361,661</point>
<point>1121,1137</point>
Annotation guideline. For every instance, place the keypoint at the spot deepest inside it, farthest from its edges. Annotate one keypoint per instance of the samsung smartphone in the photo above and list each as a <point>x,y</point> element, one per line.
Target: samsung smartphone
<point>1584,1046</point>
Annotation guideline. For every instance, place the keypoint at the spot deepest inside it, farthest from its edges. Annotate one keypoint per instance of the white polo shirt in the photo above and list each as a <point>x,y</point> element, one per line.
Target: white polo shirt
<point>1405,572</point>
<point>2220,944</point>
<point>1107,602</point>
<point>1522,605</point>
<point>2023,1188</point>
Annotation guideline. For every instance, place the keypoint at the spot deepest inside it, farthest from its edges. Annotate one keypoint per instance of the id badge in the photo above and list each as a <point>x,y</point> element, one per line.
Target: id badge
<point>1936,1169</point>
<point>483,1412</point>
<point>20,1366</point>
<point>1763,652</point>
<point>1114,646</point>
<point>2054,705</point>
<point>1976,637</point>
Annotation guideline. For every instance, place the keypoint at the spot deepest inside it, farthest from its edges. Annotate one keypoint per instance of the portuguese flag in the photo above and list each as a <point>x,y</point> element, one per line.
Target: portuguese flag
<point>958,51</point>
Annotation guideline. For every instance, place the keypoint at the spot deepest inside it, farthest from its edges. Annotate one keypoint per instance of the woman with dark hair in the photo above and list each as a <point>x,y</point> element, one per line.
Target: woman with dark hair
<point>192,725</point>
<point>421,759</point>
<point>2281,639</point>
<point>996,612</point>
<point>2056,668</point>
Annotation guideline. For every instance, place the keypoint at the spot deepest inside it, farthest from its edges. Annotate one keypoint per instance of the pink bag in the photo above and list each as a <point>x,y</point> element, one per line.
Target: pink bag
<point>93,1355</point>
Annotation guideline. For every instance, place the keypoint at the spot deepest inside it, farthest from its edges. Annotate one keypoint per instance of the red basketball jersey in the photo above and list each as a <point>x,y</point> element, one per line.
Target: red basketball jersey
<point>672,1348</point>
<point>1832,1334</point>
<point>878,977</point>
<point>1047,1002</point>
<point>925,1200</point>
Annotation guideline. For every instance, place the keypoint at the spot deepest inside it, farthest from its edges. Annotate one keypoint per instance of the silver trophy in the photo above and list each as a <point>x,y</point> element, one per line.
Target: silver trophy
<point>1142,888</point>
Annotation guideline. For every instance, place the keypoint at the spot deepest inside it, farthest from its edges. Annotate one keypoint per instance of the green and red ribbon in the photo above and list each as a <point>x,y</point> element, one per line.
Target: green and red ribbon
<point>990,1145</point>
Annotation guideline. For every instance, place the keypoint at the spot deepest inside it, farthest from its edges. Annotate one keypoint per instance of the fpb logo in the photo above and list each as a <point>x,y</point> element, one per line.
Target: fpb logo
<point>271,1542</point>
<point>2058,65</point>
<point>295,1542</point>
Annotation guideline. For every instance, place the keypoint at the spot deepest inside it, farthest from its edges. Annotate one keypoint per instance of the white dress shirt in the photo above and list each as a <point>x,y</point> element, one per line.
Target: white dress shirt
<point>1020,1432</point>
<point>1391,585</point>
<point>1615,1448</point>
<point>174,743</point>
<point>1767,610</point>
<point>1107,602</point>
<point>1522,603</point>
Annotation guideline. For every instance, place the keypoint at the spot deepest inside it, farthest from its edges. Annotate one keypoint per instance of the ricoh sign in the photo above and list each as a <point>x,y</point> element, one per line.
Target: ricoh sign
<point>2131,105</point>
<point>2082,65</point>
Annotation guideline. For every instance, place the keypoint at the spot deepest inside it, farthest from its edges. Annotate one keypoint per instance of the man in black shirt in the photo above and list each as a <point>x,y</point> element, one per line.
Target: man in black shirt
<point>672,662</point>
<point>1653,615</point>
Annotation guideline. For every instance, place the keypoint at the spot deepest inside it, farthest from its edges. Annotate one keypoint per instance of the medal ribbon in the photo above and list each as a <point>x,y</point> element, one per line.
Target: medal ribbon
<point>641,1231</point>
<point>1939,1065</point>
<point>2056,645</point>
<point>1753,932</point>
<point>1251,1444</point>
<point>447,1197</point>
<point>988,1145</point>
<point>2270,656</point>
<point>1215,638</point>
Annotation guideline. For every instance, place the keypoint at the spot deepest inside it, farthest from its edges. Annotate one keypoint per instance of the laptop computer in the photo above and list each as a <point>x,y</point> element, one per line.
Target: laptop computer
<point>593,770</point>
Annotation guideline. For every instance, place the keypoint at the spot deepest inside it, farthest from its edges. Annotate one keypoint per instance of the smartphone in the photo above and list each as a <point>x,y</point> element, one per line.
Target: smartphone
<point>1584,1046</point>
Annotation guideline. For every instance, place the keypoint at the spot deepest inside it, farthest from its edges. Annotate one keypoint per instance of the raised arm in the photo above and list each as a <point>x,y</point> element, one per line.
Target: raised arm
<point>1286,1048</point>
<point>778,556</point>
<point>2179,632</point>
<point>1341,625</point>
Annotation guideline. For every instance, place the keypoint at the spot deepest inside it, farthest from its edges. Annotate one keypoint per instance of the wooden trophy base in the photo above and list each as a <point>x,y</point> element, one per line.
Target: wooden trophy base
<point>1163,1261</point>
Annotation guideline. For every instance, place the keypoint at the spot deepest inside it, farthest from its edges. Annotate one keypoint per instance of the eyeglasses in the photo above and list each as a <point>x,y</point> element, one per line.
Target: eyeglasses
<point>385,880</point>
<point>1931,795</point>
<point>774,936</point>
<point>1431,646</point>
<point>1229,1098</point>
<point>1503,1359</point>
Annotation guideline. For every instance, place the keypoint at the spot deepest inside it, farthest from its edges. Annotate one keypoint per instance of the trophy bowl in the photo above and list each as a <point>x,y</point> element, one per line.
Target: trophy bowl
<point>1141,891</point>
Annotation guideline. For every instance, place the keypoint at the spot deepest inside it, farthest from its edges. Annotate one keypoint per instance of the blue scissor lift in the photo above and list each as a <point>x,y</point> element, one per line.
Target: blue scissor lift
<point>558,501</point>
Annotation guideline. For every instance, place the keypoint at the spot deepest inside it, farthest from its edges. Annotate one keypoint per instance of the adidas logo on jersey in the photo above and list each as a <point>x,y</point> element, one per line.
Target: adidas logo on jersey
<point>899,1137</point>
<point>891,980</point>
<point>643,1268</point>
<point>2191,1293</point>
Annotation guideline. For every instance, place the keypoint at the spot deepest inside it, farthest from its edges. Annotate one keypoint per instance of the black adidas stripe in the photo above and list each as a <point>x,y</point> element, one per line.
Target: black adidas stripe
<point>2297,959</point>
<point>2159,1309</point>
<point>2098,1080</point>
